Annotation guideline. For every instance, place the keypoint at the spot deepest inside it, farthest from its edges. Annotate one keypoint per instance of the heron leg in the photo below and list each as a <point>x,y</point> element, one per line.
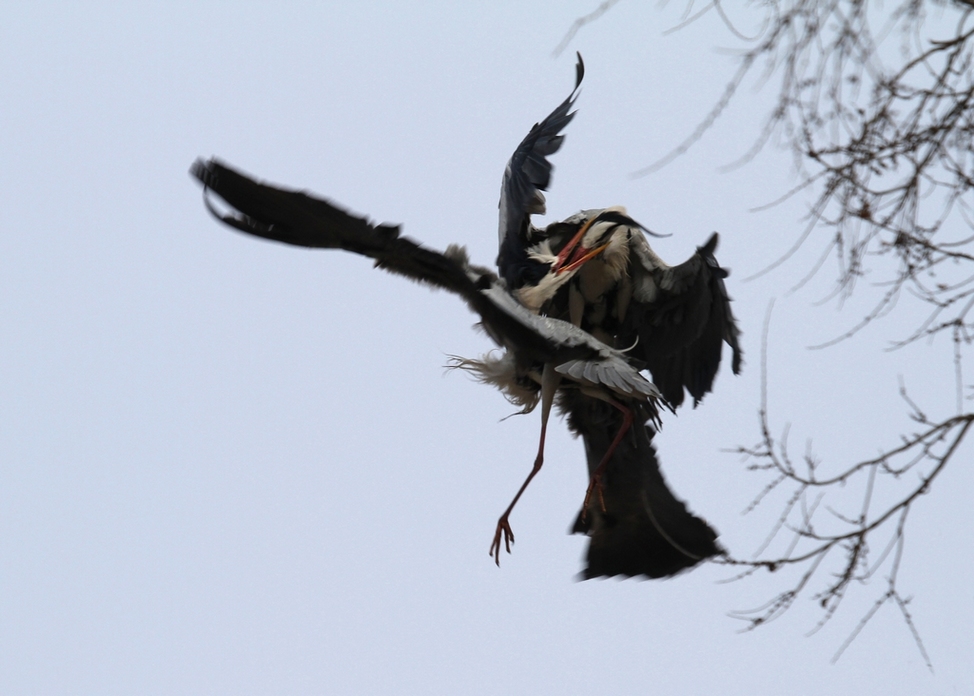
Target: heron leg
<point>595,483</point>
<point>549,385</point>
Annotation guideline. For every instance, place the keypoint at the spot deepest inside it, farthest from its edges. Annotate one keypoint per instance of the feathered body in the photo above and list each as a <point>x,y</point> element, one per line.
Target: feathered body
<point>597,271</point>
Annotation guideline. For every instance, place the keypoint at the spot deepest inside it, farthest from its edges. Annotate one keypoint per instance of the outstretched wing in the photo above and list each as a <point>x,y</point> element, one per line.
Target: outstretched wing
<point>638,527</point>
<point>528,173</point>
<point>294,217</point>
<point>679,319</point>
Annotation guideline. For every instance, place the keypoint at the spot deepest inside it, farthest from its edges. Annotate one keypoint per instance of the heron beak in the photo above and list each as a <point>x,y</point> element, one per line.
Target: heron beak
<point>580,257</point>
<point>566,254</point>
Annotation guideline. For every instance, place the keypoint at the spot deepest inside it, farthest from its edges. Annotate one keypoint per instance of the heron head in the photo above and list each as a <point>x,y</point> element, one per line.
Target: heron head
<point>606,229</point>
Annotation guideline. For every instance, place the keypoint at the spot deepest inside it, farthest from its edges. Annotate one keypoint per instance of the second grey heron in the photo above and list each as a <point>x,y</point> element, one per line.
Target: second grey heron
<point>597,270</point>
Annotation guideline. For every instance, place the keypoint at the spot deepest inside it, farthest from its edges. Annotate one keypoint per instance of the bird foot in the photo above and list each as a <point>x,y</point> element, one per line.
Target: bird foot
<point>503,527</point>
<point>594,485</point>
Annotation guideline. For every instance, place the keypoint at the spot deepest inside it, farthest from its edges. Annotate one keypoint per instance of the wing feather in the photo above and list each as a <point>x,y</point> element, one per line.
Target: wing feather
<point>528,175</point>
<point>679,318</point>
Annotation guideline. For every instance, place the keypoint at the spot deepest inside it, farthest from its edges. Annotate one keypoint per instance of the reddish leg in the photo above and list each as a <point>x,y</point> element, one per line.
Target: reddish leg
<point>596,480</point>
<point>549,384</point>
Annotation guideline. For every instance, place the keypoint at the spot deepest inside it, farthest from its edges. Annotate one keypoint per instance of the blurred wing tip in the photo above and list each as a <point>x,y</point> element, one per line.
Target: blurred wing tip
<point>579,71</point>
<point>710,246</point>
<point>200,170</point>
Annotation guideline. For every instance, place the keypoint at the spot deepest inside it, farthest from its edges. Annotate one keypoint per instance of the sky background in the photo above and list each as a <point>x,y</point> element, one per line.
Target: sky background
<point>231,466</point>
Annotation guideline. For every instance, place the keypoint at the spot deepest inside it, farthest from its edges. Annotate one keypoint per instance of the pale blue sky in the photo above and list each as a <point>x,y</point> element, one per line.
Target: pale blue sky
<point>229,466</point>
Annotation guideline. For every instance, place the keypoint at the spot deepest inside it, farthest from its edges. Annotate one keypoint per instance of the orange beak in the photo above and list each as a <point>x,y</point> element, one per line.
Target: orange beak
<point>580,257</point>
<point>572,256</point>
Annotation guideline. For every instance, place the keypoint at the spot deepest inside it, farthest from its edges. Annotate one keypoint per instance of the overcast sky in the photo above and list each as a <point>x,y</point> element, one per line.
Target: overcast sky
<point>231,466</point>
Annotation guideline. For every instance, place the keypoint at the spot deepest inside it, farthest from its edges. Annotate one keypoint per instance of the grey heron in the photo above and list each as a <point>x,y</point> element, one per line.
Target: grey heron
<point>544,350</point>
<point>597,270</point>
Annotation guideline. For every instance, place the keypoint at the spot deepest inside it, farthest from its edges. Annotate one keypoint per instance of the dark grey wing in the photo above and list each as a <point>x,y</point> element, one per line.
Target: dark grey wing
<point>528,173</point>
<point>643,530</point>
<point>294,217</point>
<point>679,318</point>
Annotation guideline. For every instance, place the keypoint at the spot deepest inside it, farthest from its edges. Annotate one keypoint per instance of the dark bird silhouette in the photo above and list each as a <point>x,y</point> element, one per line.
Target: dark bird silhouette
<point>543,354</point>
<point>597,271</point>
<point>638,527</point>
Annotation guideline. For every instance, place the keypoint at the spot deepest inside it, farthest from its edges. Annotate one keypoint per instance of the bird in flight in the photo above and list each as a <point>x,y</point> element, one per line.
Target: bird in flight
<point>597,270</point>
<point>573,307</point>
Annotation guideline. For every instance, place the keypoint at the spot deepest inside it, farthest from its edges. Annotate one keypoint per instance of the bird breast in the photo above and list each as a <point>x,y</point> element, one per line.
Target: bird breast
<point>592,315</point>
<point>604,273</point>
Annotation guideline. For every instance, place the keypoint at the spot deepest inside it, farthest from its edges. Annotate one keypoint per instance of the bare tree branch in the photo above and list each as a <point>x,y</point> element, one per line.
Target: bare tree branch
<point>811,538</point>
<point>881,128</point>
<point>581,22</point>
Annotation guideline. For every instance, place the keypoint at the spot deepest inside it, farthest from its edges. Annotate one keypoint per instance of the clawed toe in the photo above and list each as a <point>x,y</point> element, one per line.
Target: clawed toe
<point>503,527</point>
